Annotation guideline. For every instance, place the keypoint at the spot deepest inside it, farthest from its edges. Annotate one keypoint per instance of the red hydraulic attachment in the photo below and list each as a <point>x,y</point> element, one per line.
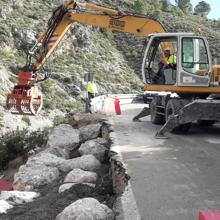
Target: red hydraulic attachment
<point>25,98</point>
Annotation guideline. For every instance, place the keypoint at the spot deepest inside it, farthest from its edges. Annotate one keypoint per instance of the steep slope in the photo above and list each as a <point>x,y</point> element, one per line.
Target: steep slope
<point>84,49</point>
<point>114,58</point>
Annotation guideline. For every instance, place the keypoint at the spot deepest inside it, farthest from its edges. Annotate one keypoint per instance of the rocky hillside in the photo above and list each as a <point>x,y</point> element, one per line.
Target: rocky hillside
<point>115,58</point>
<point>84,49</point>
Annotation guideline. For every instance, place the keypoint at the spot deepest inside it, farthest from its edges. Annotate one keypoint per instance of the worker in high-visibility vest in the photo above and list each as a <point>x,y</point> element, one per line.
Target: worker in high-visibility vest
<point>171,63</point>
<point>92,90</point>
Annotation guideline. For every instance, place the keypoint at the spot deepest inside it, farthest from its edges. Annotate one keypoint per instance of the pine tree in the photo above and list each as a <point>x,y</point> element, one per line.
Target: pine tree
<point>184,5</point>
<point>202,8</point>
<point>166,5</point>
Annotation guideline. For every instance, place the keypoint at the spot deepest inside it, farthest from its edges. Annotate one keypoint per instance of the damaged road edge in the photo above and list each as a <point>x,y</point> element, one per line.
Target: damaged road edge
<point>125,205</point>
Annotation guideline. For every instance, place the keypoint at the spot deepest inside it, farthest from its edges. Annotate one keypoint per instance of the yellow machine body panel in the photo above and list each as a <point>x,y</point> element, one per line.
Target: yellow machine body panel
<point>183,89</point>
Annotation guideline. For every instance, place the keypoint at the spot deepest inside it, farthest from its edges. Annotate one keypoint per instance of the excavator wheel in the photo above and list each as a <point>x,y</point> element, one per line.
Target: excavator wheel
<point>24,100</point>
<point>173,106</point>
<point>156,117</point>
<point>206,123</point>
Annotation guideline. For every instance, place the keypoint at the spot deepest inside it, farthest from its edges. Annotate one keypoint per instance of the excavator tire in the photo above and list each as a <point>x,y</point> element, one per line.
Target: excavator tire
<point>173,106</point>
<point>206,123</point>
<point>155,117</point>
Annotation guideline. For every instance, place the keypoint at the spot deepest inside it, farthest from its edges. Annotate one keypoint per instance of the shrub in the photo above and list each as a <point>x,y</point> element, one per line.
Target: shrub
<point>108,33</point>
<point>13,79</point>
<point>60,120</point>
<point>26,120</point>
<point>19,143</point>
<point>141,7</point>
<point>134,54</point>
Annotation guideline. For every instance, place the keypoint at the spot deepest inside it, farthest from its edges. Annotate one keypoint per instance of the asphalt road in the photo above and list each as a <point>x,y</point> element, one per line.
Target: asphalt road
<point>171,179</point>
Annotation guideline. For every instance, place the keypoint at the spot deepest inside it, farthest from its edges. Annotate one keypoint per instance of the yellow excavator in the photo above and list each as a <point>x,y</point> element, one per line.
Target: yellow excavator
<point>184,95</point>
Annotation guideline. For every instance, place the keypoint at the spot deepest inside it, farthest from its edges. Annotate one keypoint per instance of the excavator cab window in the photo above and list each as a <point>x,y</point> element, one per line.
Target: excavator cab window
<point>194,56</point>
<point>156,70</point>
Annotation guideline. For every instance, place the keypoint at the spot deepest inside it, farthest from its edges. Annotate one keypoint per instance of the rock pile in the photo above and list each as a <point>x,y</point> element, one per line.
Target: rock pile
<point>53,173</point>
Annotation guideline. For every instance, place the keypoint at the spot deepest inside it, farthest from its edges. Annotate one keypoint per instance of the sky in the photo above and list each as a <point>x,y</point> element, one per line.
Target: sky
<point>215,6</point>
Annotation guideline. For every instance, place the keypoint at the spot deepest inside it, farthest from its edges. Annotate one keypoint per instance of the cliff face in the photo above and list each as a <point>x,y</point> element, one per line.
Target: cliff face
<point>114,58</point>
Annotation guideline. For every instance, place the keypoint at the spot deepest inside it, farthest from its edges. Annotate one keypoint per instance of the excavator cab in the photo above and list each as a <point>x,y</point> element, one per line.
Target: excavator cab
<point>192,56</point>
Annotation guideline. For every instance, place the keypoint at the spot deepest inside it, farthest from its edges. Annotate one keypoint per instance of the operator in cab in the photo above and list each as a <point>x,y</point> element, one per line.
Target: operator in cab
<point>169,64</point>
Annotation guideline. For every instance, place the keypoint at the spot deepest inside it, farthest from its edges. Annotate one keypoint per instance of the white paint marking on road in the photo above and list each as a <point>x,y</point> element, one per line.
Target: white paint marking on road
<point>142,149</point>
<point>213,141</point>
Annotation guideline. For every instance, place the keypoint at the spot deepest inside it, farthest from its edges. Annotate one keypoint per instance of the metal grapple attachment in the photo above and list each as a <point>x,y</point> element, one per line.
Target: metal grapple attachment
<point>25,98</point>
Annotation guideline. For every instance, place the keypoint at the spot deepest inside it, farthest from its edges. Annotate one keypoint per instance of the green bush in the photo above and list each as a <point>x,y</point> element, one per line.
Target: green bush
<point>48,104</point>
<point>13,79</point>
<point>177,11</point>
<point>60,120</point>
<point>26,120</point>
<point>141,7</point>
<point>134,53</point>
<point>19,143</point>
<point>47,86</point>
<point>108,33</point>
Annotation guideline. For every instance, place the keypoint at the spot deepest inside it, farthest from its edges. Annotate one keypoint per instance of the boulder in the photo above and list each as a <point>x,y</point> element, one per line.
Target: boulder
<point>2,14</point>
<point>17,197</point>
<point>40,169</point>
<point>90,132</point>
<point>94,147</point>
<point>45,159</point>
<point>80,176</point>
<point>83,119</point>
<point>67,186</point>
<point>85,209</point>
<point>86,162</point>
<point>29,37</point>
<point>65,137</point>
<point>102,141</point>
<point>4,206</point>
<point>82,36</point>
<point>31,177</point>
<point>57,151</point>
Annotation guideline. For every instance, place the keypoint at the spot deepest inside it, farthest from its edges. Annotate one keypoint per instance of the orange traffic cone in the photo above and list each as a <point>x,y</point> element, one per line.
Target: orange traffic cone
<point>209,215</point>
<point>117,106</point>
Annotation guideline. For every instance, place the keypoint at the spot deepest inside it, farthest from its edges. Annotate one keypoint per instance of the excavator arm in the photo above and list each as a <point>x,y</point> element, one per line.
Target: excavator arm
<point>26,98</point>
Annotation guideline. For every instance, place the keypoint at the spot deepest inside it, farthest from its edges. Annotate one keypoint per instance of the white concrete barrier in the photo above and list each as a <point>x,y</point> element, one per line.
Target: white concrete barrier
<point>105,104</point>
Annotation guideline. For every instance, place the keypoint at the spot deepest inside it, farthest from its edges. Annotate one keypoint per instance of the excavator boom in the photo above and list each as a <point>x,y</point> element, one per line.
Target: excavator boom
<point>26,98</point>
